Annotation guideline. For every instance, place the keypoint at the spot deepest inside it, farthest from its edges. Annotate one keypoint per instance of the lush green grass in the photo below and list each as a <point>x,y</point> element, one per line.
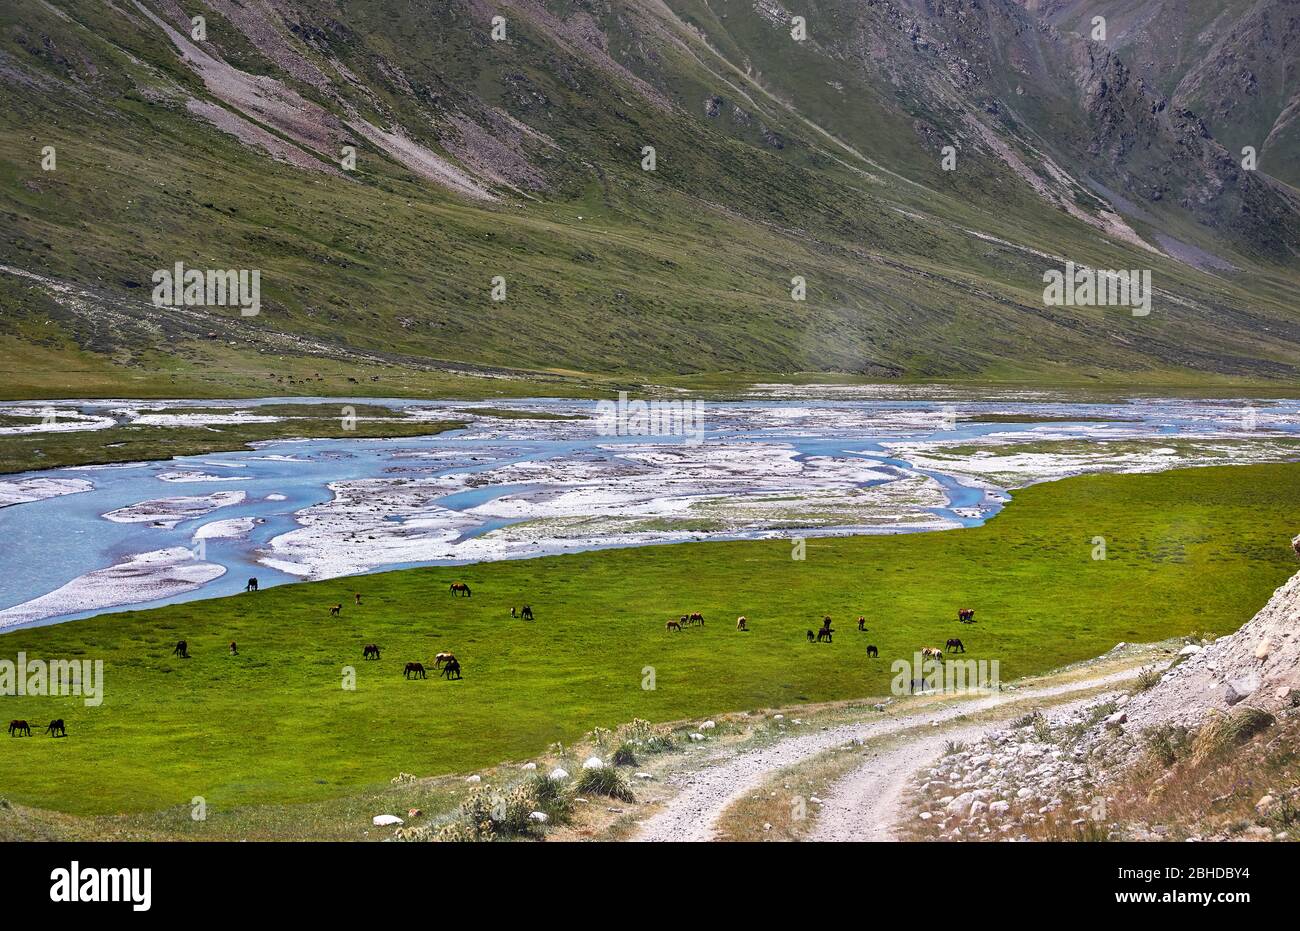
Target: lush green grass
<point>1192,550</point>
<point>26,451</point>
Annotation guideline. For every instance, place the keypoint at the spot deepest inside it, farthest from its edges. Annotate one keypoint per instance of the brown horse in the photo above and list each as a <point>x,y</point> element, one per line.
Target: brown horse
<point>234,648</point>
<point>20,727</point>
<point>414,669</point>
<point>697,618</point>
<point>441,658</point>
<point>357,596</point>
<point>673,625</point>
<point>954,645</point>
<point>370,651</point>
<point>182,649</point>
<point>966,615</point>
<point>862,623</point>
<point>334,611</point>
<point>458,588</point>
<point>57,728</point>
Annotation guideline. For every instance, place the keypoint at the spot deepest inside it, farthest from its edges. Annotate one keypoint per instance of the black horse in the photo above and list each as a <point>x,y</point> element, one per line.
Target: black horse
<point>370,651</point>
<point>252,585</point>
<point>872,652</point>
<point>182,649</point>
<point>954,645</point>
<point>527,613</point>
<point>452,666</point>
<point>56,728</point>
<point>414,670</point>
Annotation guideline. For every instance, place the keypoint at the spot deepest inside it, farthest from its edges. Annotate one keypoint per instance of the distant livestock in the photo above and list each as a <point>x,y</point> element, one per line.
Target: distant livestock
<point>414,670</point>
<point>334,611</point>
<point>954,645</point>
<point>862,623</point>
<point>460,588</point>
<point>742,623</point>
<point>932,653</point>
<point>182,649</point>
<point>528,612</point>
<point>872,652</point>
<point>447,657</point>
<point>966,615</point>
<point>357,596</point>
<point>234,648</point>
<point>673,625</point>
<point>57,728</point>
<point>370,651</point>
<point>252,585</point>
<point>452,669</point>
<point>20,727</point>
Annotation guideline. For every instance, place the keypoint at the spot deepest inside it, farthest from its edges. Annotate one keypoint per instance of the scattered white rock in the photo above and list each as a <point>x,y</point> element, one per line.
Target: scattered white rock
<point>593,762</point>
<point>383,821</point>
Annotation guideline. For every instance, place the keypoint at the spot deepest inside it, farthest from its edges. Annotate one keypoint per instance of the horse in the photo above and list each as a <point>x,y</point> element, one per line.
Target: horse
<point>862,623</point>
<point>414,669</point>
<point>252,585</point>
<point>20,727</point>
<point>741,623</point>
<point>513,612</point>
<point>673,625</point>
<point>954,645</point>
<point>824,634</point>
<point>527,613</point>
<point>697,618</point>
<point>458,587</point>
<point>182,649</point>
<point>357,596</point>
<point>447,657</point>
<point>932,653</point>
<point>872,652</point>
<point>57,728</point>
<point>966,615</point>
<point>917,685</point>
<point>811,636</point>
<point>334,611</point>
<point>234,650</point>
<point>370,651</point>
<point>452,666</point>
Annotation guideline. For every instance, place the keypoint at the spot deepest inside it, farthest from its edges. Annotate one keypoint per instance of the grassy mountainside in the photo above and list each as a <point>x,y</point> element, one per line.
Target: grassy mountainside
<point>523,159</point>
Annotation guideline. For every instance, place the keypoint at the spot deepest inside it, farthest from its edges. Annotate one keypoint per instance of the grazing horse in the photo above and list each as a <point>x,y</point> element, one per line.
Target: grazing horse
<point>966,615</point>
<point>19,727</point>
<point>459,587</point>
<point>697,618</point>
<point>334,611</point>
<point>527,613</point>
<point>513,612</point>
<point>741,623</point>
<point>234,649</point>
<point>872,652</point>
<point>252,585</point>
<point>824,634</point>
<point>933,653</point>
<point>862,623</point>
<point>357,596</point>
<point>954,645</point>
<point>414,669</point>
<point>182,649</point>
<point>673,625</point>
<point>452,667</point>
<point>811,636</point>
<point>370,651</point>
<point>57,728</point>
<point>441,658</point>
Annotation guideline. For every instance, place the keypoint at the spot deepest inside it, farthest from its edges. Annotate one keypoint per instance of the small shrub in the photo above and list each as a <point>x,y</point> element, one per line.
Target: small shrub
<point>1225,731</point>
<point>1167,743</point>
<point>605,781</point>
<point>625,755</point>
<point>1147,677</point>
<point>953,746</point>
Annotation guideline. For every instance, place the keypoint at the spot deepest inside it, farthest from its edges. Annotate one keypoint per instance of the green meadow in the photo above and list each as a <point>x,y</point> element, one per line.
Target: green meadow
<point>1190,551</point>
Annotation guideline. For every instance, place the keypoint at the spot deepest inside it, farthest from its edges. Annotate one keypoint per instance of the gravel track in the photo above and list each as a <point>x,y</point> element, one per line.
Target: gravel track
<point>693,814</point>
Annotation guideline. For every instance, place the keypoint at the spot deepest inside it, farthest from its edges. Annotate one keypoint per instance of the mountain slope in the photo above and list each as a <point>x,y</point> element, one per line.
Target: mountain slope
<point>522,159</point>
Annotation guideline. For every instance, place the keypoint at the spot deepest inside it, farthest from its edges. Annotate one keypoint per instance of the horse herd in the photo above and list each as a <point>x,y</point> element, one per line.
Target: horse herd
<point>825,633</point>
<point>19,728</point>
